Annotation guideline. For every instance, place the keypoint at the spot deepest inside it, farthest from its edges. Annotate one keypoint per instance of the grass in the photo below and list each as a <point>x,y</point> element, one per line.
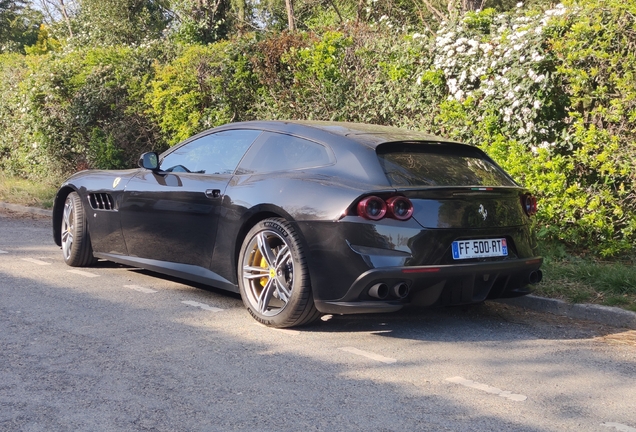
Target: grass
<point>26,192</point>
<point>566,277</point>
<point>583,280</point>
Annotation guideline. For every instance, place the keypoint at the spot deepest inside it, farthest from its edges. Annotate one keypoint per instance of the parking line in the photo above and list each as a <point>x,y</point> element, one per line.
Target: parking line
<point>1,251</point>
<point>140,289</point>
<point>619,427</point>
<point>370,355</point>
<point>83,273</point>
<point>202,306</point>
<point>488,389</point>
<point>36,261</point>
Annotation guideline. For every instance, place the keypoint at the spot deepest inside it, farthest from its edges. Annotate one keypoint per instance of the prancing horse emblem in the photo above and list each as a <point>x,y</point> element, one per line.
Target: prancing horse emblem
<point>483,211</point>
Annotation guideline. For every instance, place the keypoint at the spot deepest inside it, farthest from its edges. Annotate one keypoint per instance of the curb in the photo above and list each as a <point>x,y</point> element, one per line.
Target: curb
<point>24,209</point>
<point>607,315</point>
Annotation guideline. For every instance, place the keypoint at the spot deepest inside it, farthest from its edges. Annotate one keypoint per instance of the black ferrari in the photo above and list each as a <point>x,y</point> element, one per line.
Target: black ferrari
<point>308,218</point>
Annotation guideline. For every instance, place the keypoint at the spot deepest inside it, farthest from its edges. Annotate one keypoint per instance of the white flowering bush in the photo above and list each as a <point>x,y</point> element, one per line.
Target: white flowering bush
<point>509,90</point>
<point>500,66</point>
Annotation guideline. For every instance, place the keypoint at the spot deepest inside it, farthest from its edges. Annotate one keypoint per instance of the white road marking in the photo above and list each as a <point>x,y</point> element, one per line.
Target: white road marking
<point>83,273</point>
<point>619,427</point>
<point>202,306</point>
<point>1,251</point>
<point>288,331</point>
<point>488,389</point>
<point>36,261</point>
<point>370,355</point>
<point>140,289</point>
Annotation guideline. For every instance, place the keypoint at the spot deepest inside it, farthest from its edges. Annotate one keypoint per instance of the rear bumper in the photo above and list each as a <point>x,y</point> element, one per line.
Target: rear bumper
<point>437,285</point>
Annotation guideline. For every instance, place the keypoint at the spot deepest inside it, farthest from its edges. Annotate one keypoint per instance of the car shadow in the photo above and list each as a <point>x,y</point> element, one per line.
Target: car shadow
<point>489,320</point>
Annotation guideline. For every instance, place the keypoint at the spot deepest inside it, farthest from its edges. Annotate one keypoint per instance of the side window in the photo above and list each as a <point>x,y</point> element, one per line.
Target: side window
<point>280,152</point>
<point>217,153</point>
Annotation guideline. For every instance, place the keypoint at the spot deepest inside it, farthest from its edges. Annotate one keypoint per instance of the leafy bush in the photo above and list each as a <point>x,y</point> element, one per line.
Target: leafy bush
<point>204,86</point>
<point>550,95</point>
<point>76,110</point>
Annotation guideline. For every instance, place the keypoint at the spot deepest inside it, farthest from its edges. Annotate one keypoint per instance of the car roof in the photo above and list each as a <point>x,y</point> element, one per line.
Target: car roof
<point>367,134</point>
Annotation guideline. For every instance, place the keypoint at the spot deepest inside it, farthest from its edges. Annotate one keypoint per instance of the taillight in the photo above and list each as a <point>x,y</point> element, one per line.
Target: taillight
<point>399,207</point>
<point>529,204</point>
<point>372,207</point>
<point>375,208</point>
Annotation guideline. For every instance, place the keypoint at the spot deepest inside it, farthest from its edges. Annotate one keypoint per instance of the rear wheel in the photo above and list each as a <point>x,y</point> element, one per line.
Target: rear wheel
<point>273,276</point>
<point>76,244</point>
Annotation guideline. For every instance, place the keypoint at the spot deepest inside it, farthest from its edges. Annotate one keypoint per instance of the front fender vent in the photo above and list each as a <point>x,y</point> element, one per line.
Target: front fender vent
<point>101,201</point>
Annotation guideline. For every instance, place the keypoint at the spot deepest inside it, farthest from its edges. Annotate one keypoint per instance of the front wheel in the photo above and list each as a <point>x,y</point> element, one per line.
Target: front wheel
<point>273,276</point>
<point>76,244</point>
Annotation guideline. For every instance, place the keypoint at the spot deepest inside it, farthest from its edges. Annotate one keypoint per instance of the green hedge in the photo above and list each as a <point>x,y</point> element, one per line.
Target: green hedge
<point>551,95</point>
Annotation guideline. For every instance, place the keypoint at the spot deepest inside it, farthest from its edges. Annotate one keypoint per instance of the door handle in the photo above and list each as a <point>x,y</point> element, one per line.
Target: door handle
<point>213,193</point>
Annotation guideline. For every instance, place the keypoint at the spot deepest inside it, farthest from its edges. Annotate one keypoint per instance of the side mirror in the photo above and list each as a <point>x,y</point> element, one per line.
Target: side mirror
<point>149,161</point>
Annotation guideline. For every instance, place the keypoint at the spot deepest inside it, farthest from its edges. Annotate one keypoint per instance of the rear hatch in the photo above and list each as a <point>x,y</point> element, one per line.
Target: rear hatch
<point>452,185</point>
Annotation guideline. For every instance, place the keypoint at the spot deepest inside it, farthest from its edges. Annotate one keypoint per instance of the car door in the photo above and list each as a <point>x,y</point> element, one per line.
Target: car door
<point>172,214</point>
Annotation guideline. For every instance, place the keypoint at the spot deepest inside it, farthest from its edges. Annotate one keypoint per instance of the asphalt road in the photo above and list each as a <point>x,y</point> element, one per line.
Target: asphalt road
<point>112,348</point>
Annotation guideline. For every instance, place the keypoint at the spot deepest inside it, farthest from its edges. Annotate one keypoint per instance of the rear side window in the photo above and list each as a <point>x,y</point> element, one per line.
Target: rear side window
<point>280,152</point>
<point>422,164</point>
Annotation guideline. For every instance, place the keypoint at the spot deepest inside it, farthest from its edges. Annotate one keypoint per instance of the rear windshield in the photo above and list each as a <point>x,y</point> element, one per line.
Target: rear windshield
<point>424,164</point>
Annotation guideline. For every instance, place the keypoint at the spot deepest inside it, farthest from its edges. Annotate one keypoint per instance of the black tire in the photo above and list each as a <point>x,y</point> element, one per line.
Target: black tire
<point>76,243</point>
<point>273,276</point>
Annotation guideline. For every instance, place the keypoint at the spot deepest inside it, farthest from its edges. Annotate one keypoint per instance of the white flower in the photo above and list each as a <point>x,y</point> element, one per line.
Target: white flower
<point>536,104</point>
<point>537,57</point>
<point>520,4</point>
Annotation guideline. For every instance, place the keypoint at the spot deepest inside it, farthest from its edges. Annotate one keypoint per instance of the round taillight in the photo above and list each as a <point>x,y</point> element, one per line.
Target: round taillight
<point>372,207</point>
<point>529,203</point>
<point>400,208</point>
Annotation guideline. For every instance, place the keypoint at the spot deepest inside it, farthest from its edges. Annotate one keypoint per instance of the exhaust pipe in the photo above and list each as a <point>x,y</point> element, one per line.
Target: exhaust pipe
<point>535,277</point>
<point>379,291</point>
<point>400,290</point>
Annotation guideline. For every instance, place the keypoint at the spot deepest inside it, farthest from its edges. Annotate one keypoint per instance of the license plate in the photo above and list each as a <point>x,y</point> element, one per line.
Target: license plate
<point>480,248</point>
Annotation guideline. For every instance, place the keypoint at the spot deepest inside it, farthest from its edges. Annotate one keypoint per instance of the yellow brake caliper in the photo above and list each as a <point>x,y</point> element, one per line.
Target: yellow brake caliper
<point>264,265</point>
